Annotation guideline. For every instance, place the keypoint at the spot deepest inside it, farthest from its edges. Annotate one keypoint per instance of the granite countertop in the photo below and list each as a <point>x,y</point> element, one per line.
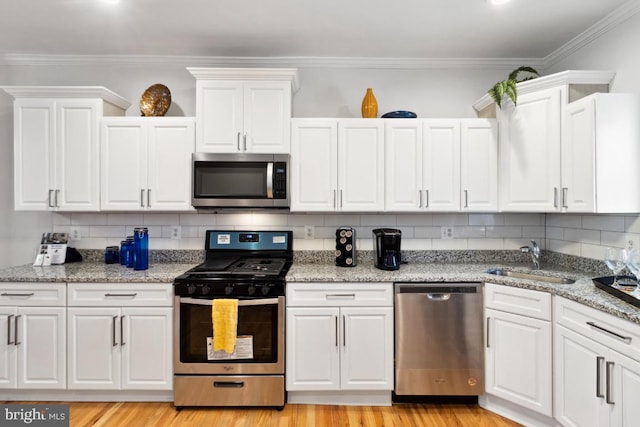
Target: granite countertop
<point>582,290</point>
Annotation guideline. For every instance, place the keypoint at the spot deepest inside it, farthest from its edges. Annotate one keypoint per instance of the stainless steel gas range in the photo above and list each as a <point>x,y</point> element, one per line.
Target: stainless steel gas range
<point>250,267</point>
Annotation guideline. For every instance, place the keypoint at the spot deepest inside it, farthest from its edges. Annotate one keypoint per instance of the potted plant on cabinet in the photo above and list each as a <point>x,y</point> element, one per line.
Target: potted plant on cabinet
<point>508,86</point>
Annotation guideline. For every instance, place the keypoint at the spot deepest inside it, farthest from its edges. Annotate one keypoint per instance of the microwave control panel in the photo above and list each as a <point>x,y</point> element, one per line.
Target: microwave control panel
<point>280,180</point>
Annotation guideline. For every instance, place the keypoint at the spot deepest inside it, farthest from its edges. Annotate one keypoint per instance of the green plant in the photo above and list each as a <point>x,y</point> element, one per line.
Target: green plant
<point>508,86</point>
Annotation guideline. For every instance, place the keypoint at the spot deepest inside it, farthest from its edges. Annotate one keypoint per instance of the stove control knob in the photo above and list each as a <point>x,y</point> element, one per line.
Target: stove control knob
<point>228,290</point>
<point>191,289</point>
<point>205,289</point>
<point>251,289</point>
<point>265,289</point>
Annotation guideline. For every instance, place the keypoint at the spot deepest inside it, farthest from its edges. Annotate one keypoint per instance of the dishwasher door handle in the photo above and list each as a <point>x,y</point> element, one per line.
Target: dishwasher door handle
<point>438,297</point>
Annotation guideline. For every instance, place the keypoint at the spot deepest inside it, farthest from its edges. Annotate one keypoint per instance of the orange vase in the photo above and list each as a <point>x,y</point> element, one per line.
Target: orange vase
<point>369,105</point>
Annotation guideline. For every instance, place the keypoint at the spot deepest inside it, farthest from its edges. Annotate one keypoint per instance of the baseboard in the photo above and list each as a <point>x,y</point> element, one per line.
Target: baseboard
<point>87,395</point>
<point>516,413</point>
<point>344,398</point>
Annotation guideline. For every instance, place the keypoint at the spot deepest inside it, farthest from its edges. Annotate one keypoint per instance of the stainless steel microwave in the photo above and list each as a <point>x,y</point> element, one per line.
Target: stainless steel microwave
<point>240,180</point>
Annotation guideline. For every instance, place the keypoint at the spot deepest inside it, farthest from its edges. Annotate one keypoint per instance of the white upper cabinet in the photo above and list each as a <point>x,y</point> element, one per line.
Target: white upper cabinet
<point>337,165</point>
<point>600,154</point>
<point>56,145</point>
<point>440,165</point>
<point>243,110</point>
<point>146,163</point>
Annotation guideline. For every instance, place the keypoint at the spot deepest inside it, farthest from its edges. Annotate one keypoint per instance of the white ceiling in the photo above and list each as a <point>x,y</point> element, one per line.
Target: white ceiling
<point>297,28</point>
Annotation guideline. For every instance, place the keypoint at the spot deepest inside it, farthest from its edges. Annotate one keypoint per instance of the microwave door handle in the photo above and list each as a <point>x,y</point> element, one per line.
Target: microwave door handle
<point>270,180</point>
<point>241,303</point>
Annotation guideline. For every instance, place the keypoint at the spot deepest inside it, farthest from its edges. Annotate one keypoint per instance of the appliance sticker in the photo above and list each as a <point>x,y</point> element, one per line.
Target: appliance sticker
<point>242,350</point>
<point>279,239</point>
<point>224,239</point>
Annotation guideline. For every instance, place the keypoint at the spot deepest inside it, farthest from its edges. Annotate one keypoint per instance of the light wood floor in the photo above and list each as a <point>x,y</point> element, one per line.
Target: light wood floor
<point>83,414</point>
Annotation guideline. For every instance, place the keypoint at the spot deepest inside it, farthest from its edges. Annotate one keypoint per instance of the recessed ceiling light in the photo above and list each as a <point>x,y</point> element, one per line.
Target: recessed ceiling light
<point>111,1</point>
<point>497,2</point>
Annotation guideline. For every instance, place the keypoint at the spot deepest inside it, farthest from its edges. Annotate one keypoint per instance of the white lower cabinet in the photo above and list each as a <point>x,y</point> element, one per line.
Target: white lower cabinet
<point>339,339</point>
<point>597,367</point>
<point>120,337</point>
<point>32,336</point>
<point>518,356</point>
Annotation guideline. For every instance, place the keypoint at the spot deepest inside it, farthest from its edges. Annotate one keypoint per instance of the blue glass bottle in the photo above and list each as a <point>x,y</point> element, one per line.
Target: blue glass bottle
<point>129,252</point>
<point>140,248</point>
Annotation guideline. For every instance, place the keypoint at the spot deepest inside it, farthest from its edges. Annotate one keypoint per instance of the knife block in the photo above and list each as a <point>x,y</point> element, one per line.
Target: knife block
<point>345,247</point>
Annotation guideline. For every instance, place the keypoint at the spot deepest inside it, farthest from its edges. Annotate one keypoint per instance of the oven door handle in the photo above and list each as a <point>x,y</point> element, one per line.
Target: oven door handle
<point>257,301</point>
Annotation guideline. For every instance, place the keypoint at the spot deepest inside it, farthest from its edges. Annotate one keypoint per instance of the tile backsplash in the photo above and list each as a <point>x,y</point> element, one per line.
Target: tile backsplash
<point>420,231</point>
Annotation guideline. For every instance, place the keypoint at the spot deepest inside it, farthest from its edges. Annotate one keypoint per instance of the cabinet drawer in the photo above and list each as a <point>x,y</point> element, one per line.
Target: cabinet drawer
<point>614,332</point>
<point>33,294</point>
<point>524,302</point>
<point>120,294</point>
<point>321,294</point>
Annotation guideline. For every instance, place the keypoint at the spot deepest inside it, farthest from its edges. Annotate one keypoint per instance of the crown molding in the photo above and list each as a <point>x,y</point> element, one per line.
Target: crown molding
<point>226,73</point>
<point>91,92</point>
<point>597,30</point>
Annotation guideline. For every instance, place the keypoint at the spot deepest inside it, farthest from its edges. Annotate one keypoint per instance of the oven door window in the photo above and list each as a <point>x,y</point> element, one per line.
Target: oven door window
<point>230,180</point>
<point>258,321</point>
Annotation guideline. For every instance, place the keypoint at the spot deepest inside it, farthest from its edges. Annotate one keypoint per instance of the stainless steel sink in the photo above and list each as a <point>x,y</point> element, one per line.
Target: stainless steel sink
<point>531,276</point>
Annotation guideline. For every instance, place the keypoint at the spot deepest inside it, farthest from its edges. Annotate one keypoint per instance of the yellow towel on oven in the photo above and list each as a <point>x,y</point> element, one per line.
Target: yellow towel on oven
<point>224,314</point>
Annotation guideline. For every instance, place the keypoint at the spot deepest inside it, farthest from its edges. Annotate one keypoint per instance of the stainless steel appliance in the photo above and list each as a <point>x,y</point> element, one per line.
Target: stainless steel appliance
<point>439,341</point>
<point>387,246</point>
<point>240,180</point>
<point>249,267</point>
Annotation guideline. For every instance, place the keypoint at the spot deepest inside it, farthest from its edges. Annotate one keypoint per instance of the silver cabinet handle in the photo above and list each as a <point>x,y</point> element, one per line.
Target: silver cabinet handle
<point>270,180</point>
<point>334,198</point>
<point>613,334</point>
<point>148,197</point>
<point>340,296</point>
<point>599,361</point>
<point>426,198</point>
<point>466,198</point>
<point>244,141</point>
<point>564,197</point>
<point>10,294</point>
<point>142,197</point>
<point>122,330</point>
<point>56,194</point>
<point>108,294</point>
<point>488,319</point>
<point>238,141</point>
<point>9,342</point>
<point>555,197</point>
<point>608,390</point>
<point>420,198</point>
<point>336,318</point>
<point>341,198</point>
<point>113,331</point>
<point>344,331</point>
<point>50,199</point>
<point>15,330</point>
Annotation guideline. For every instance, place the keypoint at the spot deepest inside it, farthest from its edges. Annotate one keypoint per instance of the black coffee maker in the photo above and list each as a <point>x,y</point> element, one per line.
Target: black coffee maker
<point>387,247</point>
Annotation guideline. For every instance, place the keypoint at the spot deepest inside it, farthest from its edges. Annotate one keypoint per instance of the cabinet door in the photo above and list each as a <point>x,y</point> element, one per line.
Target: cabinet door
<point>313,352</point>
<point>94,348</point>
<point>479,165</point>
<point>366,343</point>
<point>530,152</point>
<point>626,390</point>
<point>171,143</point>
<point>8,351</point>
<point>146,348</point>
<point>578,157</point>
<point>267,117</point>
<point>123,164</point>
<point>518,360</point>
<point>41,344</point>
<point>34,154</point>
<point>314,165</point>
<point>403,165</point>
<point>579,380</point>
<point>441,165</point>
<point>77,155</point>
<point>360,165</point>
<point>219,108</point>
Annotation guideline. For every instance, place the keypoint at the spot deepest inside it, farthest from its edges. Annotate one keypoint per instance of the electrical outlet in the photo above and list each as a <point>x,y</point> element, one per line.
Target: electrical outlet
<point>309,231</point>
<point>446,232</point>
<point>74,233</point>
<point>176,232</point>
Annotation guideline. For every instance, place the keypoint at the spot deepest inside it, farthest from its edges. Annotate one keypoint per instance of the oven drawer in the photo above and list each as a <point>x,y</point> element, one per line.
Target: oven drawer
<point>321,294</point>
<point>209,390</point>
<point>120,294</point>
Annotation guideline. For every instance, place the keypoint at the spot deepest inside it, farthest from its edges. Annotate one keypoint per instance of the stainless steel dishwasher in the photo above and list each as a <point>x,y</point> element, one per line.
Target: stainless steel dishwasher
<point>438,339</point>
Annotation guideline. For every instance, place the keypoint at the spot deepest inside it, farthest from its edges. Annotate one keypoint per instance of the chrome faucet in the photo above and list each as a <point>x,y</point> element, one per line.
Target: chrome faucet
<point>534,251</point>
